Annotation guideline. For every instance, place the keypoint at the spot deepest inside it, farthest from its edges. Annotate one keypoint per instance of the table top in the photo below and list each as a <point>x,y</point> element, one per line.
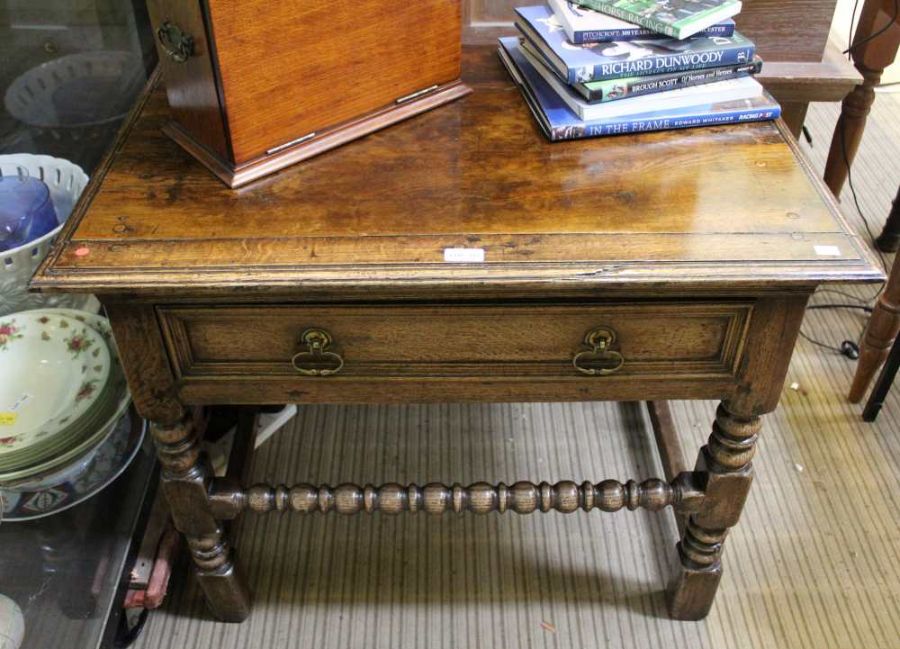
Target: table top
<point>720,208</point>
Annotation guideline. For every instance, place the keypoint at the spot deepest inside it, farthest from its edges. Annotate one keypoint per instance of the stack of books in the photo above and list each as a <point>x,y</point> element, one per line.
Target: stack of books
<point>602,67</point>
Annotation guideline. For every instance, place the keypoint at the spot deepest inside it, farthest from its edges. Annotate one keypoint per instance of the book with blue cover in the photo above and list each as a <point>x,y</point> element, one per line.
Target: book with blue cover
<point>622,88</point>
<point>583,25</point>
<point>599,61</point>
<point>675,18</point>
<point>720,91</point>
<point>558,122</point>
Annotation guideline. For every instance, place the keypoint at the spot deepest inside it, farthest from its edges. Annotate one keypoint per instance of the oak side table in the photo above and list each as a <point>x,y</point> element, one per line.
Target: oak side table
<point>460,257</point>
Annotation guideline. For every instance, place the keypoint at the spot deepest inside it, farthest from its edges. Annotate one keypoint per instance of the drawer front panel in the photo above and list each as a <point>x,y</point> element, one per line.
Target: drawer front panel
<point>446,341</point>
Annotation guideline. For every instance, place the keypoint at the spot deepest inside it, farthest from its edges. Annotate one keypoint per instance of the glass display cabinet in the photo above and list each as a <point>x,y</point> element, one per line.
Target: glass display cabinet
<point>70,70</point>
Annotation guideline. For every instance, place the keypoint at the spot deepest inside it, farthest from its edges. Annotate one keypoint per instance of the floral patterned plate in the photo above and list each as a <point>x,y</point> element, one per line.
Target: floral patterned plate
<point>113,411</point>
<point>53,370</point>
<point>67,489</point>
<point>98,425</point>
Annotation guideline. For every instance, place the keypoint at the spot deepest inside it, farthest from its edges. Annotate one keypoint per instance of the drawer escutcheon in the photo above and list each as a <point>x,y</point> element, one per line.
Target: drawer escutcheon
<point>316,360</point>
<point>599,360</point>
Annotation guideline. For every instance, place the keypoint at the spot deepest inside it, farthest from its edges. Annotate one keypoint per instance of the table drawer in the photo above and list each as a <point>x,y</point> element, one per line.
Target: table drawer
<point>565,341</point>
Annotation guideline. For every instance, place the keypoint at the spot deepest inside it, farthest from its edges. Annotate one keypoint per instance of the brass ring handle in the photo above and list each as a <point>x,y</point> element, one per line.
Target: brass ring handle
<point>599,360</point>
<point>316,360</point>
<point>178,45</point>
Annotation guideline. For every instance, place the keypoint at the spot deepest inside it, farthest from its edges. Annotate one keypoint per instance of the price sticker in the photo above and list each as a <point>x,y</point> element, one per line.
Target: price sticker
<point>828,251</point>
<point>464,255</point>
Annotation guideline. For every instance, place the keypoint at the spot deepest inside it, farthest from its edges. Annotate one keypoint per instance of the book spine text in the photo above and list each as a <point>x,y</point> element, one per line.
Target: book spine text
<point>609,35</point>
<point>663,124</point>
<point>665,63</point>
<point>644,21</point>
<point>613,90</point>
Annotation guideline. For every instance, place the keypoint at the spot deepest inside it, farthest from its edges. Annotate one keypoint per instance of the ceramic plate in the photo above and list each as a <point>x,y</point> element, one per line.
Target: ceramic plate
<point>103,419</point>
<point>68,455</point>
<point>53,369</point>
<point>110,460</point>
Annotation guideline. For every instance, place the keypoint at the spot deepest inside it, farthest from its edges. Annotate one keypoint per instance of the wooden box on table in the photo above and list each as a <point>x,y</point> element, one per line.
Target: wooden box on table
<point>256,86</point>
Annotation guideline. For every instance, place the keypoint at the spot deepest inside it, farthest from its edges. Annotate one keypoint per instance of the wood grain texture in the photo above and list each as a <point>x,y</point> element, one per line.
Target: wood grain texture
<point>683,494</point>
<point>445,340</point>
<point>552,218</point>
<point>141,348</point>
<point>726,463</point>
<point>829,79</point>
<point>667,441</point>
<point>793,30</point>
<point>776,325</point>
<point>290,69</point>
<point>324,140</point>
<point>192,88</point>
<point>186,479</point>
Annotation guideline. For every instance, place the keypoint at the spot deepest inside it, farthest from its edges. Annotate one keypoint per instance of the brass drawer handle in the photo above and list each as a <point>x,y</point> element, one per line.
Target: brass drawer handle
<point>176,43</point>
<point>316,360</point>
<point>599,360</point>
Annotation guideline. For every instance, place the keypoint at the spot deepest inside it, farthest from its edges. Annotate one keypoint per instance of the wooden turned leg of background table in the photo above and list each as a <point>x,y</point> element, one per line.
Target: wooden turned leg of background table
<point>871,55</point>
<point>726,459</point>
<point>186,480</point>
<point>879,335</point>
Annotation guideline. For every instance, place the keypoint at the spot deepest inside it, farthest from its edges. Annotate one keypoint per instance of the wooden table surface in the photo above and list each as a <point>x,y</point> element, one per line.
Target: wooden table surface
<point>691,207</point>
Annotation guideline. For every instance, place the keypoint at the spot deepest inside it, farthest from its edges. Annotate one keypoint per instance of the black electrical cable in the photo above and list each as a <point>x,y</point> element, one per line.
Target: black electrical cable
<point>849,296</point>
<point>850,35</point>
<point>856,199</point>
<point>860,307</point>
<point>848,348</point>
<point>875,35</point>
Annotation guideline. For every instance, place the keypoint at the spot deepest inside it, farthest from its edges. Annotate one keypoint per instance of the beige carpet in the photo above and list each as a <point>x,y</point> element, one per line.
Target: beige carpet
<point>815,562</point>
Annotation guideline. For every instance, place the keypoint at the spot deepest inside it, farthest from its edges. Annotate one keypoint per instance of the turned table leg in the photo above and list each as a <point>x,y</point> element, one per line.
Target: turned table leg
<point>881,330</point>
<point>727,460</point>
<point>871,57</point>
<point>186,480</point>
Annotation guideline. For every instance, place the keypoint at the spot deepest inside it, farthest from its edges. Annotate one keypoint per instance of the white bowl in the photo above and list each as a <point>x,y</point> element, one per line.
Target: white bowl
<point>66,181</point>
<point>32,98</point>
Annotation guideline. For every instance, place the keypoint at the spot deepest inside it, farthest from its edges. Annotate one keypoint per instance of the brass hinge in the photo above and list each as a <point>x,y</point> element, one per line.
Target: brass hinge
<point>416,94</point>
<point>287,145</point>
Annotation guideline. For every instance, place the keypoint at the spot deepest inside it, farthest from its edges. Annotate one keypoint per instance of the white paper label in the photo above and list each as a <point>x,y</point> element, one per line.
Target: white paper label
<point>464,255</point>
<point>828,251</point>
